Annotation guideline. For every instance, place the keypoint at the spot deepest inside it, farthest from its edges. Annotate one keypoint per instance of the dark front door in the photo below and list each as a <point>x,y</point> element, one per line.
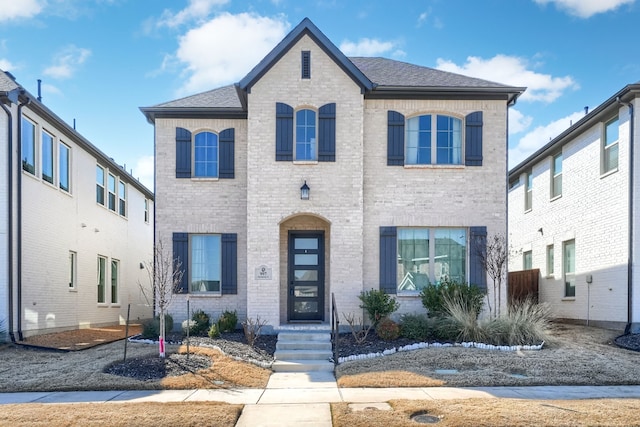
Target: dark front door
<point>306,275</point>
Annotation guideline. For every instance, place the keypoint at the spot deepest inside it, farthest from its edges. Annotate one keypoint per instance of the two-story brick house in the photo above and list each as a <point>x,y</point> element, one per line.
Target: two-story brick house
<point>74,225</point>
<point>319,174</point>
<point>573,215</point>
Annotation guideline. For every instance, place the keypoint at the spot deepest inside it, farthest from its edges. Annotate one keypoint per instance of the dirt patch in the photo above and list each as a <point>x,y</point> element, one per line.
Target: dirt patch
<point>81,339</point>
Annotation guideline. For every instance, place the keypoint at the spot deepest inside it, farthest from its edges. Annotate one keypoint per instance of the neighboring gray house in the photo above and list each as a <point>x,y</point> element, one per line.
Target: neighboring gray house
<point>74,225</point>
<point>573,214</point>
<point>319,174</point>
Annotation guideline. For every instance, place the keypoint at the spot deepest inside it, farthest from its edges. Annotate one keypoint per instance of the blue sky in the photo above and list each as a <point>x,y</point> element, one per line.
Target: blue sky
<point>100,60</point>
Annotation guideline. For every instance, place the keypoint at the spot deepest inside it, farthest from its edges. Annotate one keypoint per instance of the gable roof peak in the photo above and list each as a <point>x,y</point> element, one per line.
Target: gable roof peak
<point>305,27</point>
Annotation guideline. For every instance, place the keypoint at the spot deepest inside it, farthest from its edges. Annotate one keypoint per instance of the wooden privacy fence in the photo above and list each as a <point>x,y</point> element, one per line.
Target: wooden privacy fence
<point>523,284</point>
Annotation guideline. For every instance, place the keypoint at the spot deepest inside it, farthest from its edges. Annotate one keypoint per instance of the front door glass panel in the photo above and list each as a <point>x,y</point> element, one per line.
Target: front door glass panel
<point>306,276</point>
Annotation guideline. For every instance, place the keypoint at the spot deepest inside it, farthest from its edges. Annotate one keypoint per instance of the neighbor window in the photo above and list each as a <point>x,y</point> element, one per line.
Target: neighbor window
<point>112,192</point>
<point>63,166</point>
<point>550,260</point>
<point>28,145</point>
<point>205,263</point>
<point>146,210</point>
<point>610,146</point>
<point>426,146</point>
<point>205,160</point>
<point>102,278</point>
<point>72,269</point>
<point>528,192</point>
<point>306,135</point>
<point>556,171</point>
<point>569,268</point>
<point>527,260</point>
<point>115,277</point>
<point>47,157</point>
<point>122,198</point>
<point>429,256</point>
<point>99,185</point>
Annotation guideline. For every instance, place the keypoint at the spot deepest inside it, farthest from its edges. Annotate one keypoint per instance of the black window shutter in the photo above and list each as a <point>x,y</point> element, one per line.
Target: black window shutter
<point>473,139</point>
<point>327,133</point>
<point>181,258</point>
<point>183,153</point>
<point>477,249</point>
<point>395,139</point>
<point>284,132</point>
<point>388,259</point>
<point>229,264</point>
<point>227,140</point>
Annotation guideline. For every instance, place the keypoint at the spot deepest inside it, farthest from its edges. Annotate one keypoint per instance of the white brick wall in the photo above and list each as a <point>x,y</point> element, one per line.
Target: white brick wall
<point>54,223</point>
<point>593,210</point>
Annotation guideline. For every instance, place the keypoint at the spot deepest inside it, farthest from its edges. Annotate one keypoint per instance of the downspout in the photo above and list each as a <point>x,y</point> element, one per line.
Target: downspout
<point>10,217</point>
<point>627,329</point>
<point>19,236</point>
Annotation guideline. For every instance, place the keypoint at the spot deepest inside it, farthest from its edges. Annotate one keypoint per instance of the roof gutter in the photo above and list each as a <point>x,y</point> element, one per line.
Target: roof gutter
<point>510,94</point>
<point>631,217</point>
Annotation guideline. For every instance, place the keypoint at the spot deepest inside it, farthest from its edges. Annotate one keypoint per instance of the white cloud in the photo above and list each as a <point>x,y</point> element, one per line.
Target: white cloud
<point>366,47</point>
<point>518,122</point>
<point>196,10</point>
<point>513,71</point>
<point>225,48</point>
<point>6,65</point>
<point>16,9</point>
<point>143,170</point>
<point>586,8</point>
<point>66,61</point>
<point>422,19</point>
<point>540,136</point>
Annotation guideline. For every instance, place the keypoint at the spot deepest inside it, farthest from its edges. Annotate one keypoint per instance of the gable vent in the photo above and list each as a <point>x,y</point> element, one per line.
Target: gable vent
<point>306,64</point>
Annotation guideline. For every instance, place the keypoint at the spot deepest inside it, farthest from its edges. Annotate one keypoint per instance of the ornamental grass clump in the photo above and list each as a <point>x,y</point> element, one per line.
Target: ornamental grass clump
<point>460,321</point>
<point>525,323</point>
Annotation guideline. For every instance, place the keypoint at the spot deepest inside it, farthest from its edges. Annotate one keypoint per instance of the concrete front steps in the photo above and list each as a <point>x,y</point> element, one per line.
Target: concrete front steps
<point>303,351</point>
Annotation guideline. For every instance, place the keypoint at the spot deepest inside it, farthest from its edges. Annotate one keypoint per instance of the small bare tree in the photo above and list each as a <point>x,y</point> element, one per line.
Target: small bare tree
<point>493,256</point>
<point>165,275</point>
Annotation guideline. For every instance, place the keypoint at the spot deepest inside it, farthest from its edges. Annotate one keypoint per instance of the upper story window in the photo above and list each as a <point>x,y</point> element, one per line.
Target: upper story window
<point>28,145</point>
<point>205,159</point>
<point>100,185</point>
<point>47,157</point>
<point>527,260</point>
<point>209,155</point>
<point>556,176</point>
<point>434,139</point>
<point>610,146</point>
<point>64,158</point>
<point>314,133</point>
<point>122,198</point>
<point>306,135</point>
<point>112,192</point>
<point>146,210</point>
<point>306,64</point>
<point>528,194</point>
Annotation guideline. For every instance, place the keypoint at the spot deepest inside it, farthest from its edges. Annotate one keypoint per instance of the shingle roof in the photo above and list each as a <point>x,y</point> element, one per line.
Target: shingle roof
<point>6,83</point>
<point>223,97</point>
<point>388,72</point>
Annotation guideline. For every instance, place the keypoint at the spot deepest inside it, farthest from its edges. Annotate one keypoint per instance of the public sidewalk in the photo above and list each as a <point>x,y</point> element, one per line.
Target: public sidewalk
<point>298,399</point>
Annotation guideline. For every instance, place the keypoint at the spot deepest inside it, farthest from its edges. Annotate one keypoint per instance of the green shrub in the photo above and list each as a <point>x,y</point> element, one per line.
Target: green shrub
<point>387,329</point>
<point>151,327</point>
<point>377,304</point>
<point>228,321</point>
<point>214,331</point>
<point>202,322</point>
<point>433,297</point>
<point>416,327</point>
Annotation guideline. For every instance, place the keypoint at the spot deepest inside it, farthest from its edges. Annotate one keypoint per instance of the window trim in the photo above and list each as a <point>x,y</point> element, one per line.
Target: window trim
<point>68,164</point>
<point>525,255</point>
<point>433,143</point>
<point>122,198</point>
<point>146,210</point>
<point>112,178</point>
<point>33,144</point>
<point>52,160</point>
<point>605,148</point>
<point>555,175</point>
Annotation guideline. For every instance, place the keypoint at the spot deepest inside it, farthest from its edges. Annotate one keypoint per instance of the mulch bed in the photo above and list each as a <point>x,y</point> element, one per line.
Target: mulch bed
<point>80,339</point>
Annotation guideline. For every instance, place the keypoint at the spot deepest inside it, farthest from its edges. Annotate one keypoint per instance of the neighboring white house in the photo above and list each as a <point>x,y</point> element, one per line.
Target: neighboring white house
<point>74,226</point>
<point>573,214</point>
<point>319,174</point>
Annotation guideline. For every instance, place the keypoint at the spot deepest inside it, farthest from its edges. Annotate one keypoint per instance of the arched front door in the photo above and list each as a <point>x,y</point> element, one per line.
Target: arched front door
<point>305,276</point>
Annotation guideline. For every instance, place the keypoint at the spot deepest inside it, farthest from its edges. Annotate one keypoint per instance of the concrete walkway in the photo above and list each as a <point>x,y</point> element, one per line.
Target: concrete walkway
<point>302,399</point>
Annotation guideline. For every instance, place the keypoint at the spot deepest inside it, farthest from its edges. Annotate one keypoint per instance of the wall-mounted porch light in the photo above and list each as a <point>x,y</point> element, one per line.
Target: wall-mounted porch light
<point>304,191</point>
